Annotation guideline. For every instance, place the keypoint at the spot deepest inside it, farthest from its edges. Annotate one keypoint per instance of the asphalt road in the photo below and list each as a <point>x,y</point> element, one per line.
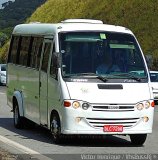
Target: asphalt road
<point>36,143</point>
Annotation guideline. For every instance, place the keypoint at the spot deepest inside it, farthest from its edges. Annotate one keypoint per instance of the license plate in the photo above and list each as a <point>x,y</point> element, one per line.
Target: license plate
<point>113,128</point>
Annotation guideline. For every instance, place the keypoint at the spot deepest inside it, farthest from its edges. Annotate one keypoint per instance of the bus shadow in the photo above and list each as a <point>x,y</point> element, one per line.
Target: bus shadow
<point>43,135</point>
<point>34,132</point>
<point>97,141</point>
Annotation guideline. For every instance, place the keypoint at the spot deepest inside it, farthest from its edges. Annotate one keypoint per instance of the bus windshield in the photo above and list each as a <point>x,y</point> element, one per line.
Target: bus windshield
<point>101,53</point>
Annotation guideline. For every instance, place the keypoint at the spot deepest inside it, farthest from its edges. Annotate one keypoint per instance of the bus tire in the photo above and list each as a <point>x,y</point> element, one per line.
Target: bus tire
<point>18,120</point>
<point>55,128</point>
<point>138,139</point>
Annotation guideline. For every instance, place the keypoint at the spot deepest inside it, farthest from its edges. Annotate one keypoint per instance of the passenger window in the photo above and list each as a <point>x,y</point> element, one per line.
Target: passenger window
<point>29,52</point>
<point>25,42</point>
<point>35,54</point>
<point>13,53</point>
<point>54,64</point>
<point>45,60</point>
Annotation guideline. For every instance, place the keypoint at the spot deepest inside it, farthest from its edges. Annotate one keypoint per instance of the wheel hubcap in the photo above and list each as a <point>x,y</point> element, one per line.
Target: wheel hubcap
<point>55,128</point>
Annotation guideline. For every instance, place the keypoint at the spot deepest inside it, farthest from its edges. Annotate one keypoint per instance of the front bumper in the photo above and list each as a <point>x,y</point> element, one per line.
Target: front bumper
<point>92,122</point>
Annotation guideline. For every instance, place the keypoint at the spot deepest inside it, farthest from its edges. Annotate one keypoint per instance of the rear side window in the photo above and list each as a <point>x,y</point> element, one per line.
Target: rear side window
<point>24,49</point>
<point>14,49</point>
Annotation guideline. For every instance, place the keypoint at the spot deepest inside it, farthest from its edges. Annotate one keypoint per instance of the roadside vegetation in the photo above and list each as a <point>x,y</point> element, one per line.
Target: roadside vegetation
<point>138,15</point>
<point>12,15</point>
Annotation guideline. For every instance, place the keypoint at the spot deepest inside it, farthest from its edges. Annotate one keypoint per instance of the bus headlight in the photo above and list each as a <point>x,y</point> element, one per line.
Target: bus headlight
<point>76,104</point>
<point>147,104</point>
<point>140,106</point>
<point>85,106</point>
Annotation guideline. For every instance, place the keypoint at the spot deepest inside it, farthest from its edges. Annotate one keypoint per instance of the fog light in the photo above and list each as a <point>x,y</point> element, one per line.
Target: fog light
<point>140,106</point>
<point>77,119</point>
<point>85,106</point>
<point>145,119</point>
<point>76,104</point>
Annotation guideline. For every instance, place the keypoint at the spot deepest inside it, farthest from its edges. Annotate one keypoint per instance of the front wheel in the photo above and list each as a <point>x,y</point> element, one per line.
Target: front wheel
<point>138,139</point>
<point>56,128</point>
<point>18,120</point>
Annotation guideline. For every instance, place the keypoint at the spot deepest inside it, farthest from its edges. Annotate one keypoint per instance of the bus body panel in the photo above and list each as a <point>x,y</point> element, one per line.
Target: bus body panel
<point>26,81</point>
<point>54,98</point>
<point>131,93</point>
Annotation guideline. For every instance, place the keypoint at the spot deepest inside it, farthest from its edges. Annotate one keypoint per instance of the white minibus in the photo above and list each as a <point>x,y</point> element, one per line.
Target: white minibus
<point>80,77</point>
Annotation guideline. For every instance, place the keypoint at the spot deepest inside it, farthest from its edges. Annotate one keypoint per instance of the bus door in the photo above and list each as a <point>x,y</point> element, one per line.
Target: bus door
<point>46,53</point>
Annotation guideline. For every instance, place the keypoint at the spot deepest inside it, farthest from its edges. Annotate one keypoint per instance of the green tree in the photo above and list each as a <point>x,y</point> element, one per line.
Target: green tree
<point>3,39</point>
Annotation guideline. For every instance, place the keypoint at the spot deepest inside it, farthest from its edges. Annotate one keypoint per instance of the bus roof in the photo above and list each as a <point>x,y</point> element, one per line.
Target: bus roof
<point>65,26</point>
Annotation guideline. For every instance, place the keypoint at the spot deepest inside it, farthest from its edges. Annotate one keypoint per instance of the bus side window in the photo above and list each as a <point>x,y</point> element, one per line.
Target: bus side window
<point>25,42</point>
<point>54,64</point>
<point>45,60</point>
<point>10,49</point>
<point>36,52</point>
<point>13,52</point>
<point>30,52</point>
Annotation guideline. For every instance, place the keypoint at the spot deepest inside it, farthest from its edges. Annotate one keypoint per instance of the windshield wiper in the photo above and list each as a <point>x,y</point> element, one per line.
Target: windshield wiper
<point>93,75</point>
<point>129,75</point>
<point>104,79</point>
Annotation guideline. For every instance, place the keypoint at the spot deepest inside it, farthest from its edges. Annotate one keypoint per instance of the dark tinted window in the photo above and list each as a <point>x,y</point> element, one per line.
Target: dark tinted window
<point>35,52</point>
<point>25,42</point>
<point>46,54</point>
<point>25,51</point>
<point>102,53</point>
<point>14,49</point>
<point>53,66</point>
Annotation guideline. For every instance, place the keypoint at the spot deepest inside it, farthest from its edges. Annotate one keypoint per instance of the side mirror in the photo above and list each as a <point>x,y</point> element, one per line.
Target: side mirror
<point>149,60</point>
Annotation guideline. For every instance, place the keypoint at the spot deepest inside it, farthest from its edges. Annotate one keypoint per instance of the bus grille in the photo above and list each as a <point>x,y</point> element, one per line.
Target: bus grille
<point>113,108</point>
<point>100,122</point>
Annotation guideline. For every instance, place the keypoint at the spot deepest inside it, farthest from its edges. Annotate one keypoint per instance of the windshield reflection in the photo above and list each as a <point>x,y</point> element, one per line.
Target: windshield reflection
<point>100,53</point>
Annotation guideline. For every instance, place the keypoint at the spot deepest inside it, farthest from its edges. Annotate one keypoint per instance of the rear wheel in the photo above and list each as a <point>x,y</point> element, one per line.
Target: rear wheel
<point>18,120</point>
<point>55,128</point>
<point>138,139</point>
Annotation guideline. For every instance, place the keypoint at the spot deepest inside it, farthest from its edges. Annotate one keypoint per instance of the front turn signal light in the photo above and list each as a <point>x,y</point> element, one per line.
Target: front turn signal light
<point>67,104</point>
<point>152,104</point>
